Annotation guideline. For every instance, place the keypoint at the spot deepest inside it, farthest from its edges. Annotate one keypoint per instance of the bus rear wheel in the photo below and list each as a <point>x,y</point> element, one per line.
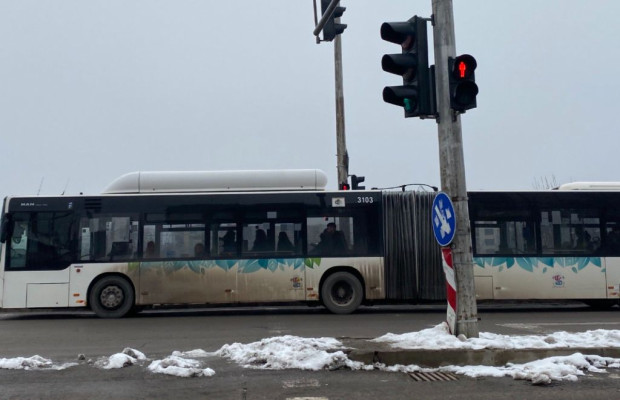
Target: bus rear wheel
<point>111,297</point>
<point>342,293</point>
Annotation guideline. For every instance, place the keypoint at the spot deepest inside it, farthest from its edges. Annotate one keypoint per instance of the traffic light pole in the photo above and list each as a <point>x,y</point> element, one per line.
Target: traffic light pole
<point>452,166</point>
<point>341,143</point>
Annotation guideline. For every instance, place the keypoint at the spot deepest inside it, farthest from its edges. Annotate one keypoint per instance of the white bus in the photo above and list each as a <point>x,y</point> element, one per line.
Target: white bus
<point>194,238</point>
<point>554,244</point>
<point>243,237</point>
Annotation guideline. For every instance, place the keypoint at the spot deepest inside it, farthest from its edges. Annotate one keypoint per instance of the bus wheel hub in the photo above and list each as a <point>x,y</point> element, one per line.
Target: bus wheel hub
<point>111,296</point>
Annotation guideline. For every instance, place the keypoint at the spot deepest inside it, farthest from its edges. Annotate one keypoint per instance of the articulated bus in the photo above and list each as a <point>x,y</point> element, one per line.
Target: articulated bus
<point>255,237</point>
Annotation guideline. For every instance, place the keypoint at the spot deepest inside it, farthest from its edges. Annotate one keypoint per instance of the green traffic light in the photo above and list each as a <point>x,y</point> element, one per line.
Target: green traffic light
<point>408,105</point>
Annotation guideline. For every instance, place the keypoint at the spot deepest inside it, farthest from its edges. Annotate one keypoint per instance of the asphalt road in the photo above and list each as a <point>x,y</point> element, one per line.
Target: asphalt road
<point>61,336</point>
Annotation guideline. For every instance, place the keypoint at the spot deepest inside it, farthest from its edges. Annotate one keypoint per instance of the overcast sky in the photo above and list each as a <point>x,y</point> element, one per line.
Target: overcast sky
<point>90,90</point>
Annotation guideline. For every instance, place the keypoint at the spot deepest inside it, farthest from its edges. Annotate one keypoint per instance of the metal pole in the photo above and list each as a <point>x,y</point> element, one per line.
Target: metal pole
<point>341,143</point>
<point>452,166</point>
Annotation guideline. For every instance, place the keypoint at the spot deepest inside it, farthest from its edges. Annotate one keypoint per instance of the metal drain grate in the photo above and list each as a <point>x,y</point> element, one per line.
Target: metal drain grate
<point>433,376</point>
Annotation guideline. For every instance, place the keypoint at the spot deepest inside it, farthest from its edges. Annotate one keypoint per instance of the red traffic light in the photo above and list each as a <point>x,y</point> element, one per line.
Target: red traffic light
<point>344,186</point>
<point>464,66</point>
<point>463,88</point>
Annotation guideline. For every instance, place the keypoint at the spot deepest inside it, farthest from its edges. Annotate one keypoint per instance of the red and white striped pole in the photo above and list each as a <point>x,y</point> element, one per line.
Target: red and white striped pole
<point>448,269</point>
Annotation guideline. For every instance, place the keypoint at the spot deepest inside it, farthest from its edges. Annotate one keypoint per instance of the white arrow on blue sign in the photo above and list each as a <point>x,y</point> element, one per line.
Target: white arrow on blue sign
<point>443,219</point>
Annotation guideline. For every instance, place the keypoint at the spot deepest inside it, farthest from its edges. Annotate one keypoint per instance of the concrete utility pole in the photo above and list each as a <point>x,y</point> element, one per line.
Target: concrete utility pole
<point>452,166</point>
<point>341,142</point>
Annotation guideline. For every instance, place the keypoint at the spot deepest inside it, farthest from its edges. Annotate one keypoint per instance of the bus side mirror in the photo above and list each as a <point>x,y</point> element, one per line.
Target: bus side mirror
<point>5,228</point>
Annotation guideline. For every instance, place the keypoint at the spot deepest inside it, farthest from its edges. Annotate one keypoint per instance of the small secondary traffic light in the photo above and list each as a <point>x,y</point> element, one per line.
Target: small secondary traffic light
<point>344,186</point>
<point>415,94</point>
<point>463,88</point>
<point>331,28</point>
<point>355,182</point>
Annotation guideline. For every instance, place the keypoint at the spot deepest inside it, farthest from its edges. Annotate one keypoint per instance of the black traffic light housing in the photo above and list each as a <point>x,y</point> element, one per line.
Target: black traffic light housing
<point>344,186</point>
<point>331,28</point>
<point>463,88</point>
<point>416,95</point>
<point>355,182</point>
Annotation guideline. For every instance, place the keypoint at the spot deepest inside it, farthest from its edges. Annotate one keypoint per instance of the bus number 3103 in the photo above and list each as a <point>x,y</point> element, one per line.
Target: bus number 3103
<point>365,199</point>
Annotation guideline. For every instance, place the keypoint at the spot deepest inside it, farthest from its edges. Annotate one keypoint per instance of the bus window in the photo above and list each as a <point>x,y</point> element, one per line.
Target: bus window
<point>224,239</point>
<point>289,238</point>
<point>181,240</point>
<point>257,239</point>
<point>108,238</point>
<point>17,245</point>
<point>570,231</point>
<point>330,236</point>
<point>507,231</point>
<point>612,232</point>
<point>174,236</point>
<point>274,238</point>
<point>504,237</point>
<point>41,241</point>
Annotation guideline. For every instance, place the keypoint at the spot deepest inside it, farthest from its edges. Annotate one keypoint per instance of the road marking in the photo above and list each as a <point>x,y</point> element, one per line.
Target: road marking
<point>307,398</point>
<point>300,383</point>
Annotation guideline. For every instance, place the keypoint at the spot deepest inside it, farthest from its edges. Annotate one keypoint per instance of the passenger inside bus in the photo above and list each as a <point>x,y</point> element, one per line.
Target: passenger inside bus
<point>149,251</point>
<point>613,239</point>
<point>260,241</point>
<point>199,250</point>
<point>332,241</point>
<point>284,243</point>
<point>229,244</point>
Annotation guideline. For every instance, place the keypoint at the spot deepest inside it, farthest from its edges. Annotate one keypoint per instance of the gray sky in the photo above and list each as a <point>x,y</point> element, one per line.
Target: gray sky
<point>91,90</point>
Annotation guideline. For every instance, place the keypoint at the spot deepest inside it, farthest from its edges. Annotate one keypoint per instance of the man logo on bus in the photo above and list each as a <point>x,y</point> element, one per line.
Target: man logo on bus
<point>558,281</point>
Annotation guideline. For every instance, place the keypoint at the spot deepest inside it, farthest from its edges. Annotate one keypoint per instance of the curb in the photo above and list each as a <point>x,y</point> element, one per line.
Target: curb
<point>370,353</point>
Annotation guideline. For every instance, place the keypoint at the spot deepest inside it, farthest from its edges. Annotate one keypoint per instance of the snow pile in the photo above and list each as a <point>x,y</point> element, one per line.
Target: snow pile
<point>179,366</point>
<point>288,352</point>
<point>439,337</point>
<point>120,360</point>
<point>543,371</point>
<point>192,353</point>
<point>283,352</point>
<point>32,363</point>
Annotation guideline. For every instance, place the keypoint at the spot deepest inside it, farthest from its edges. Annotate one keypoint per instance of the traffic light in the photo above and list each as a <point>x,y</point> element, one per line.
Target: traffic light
<point>331,28</point>
<point>355,182</point>
<point>463,88</point>
<point>415,95</point>
<point>344,186</point>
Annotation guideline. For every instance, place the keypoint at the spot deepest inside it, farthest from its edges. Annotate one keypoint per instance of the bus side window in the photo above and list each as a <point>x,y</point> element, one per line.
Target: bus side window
<point>17,245</point>
<point>108,238</point>
<point>42,240</point>
<point>330,236</point>
<point>612,244</point>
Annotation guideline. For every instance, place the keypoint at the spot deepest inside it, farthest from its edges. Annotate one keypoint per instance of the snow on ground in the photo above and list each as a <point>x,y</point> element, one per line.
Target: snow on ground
<point>547,370</point>
<point>284,352</point>
<point>288,352</point>
<point>120,360</point>
<point>32,363</point>
<point>179,366</point>
<point>438,337</point>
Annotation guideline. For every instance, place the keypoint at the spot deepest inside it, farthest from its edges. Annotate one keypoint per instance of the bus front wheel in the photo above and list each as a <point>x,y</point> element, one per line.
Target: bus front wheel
<point>342,293</point>
<point>111,297</point>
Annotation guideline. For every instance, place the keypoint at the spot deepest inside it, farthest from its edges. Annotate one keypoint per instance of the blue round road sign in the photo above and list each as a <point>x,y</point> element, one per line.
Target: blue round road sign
<point>443,219</point>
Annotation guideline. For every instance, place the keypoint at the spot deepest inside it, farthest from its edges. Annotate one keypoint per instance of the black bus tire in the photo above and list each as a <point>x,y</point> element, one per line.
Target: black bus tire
<point>111,297</point>
<point>342,293</point>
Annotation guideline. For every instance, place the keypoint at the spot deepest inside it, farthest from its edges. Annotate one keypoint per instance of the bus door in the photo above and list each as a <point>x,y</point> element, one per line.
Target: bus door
<point>39,250</point>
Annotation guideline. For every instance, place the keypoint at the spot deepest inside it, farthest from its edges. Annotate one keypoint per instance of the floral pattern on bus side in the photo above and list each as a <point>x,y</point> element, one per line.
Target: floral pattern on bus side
<point>244,266</point>
<point>530,264</point>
